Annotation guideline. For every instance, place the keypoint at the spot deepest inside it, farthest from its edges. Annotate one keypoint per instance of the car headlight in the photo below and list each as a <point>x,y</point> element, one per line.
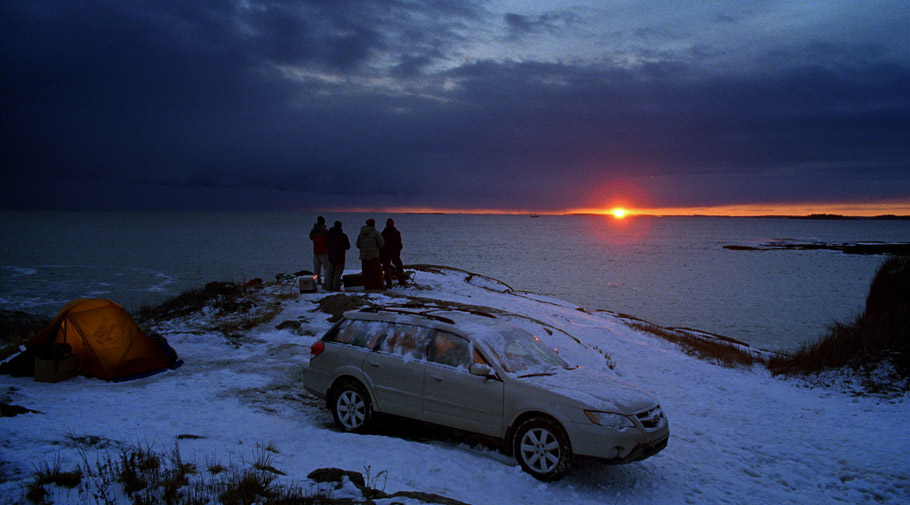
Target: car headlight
<point>610,420</point>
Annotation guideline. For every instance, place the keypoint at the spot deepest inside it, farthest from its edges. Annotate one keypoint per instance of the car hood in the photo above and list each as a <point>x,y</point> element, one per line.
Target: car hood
<point>594,389</point>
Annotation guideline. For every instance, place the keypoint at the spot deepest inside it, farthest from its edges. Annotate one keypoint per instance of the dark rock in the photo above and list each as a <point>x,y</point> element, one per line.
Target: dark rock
<point>337,475</point>
<point>7,410</point>
<point>289,325</point>
<point>338,304</point>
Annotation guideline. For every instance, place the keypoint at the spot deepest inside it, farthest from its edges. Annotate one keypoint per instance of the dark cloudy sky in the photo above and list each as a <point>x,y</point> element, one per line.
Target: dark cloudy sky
<point>518,105</point>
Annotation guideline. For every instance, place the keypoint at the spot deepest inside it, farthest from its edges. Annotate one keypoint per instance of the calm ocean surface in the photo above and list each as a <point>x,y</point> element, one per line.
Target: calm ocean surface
<point>672,271</point>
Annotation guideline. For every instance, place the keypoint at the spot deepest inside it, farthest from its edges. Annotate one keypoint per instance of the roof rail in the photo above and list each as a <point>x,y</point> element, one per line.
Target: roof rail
<point>457,309</point>
<point>408,312</point>
<point>441,308</point>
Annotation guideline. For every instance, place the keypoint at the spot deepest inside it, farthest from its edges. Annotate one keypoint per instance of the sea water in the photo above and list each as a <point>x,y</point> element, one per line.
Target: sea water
<point>672,271</point>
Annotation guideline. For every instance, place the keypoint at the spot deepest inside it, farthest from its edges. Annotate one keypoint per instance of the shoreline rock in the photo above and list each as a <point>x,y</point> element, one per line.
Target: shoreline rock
<point>866,248</point>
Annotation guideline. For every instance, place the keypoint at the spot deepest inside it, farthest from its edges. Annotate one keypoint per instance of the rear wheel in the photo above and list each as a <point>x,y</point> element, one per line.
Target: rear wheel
<point>351,407</point>
<point>542,448</point>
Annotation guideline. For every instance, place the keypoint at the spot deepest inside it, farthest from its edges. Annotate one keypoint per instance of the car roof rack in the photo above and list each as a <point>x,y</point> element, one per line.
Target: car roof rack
<point>469,311</point>
<point>427,311</point>
<point>396,310</point>
<point>441,308</point>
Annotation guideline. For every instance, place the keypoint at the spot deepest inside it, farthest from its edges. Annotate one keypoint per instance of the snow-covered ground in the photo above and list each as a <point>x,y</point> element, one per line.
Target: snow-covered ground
<point>737,435</point>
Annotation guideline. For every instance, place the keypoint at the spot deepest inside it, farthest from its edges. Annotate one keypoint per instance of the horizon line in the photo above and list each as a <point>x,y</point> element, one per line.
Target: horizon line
<point>832,210</point>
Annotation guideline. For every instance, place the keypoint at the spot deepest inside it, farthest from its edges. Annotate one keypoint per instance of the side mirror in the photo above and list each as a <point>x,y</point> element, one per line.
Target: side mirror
<point>481,370</point>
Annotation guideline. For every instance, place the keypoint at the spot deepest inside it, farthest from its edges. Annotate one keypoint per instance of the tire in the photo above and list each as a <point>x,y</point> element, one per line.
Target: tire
<point>542,448</point>
<point>351,408</point>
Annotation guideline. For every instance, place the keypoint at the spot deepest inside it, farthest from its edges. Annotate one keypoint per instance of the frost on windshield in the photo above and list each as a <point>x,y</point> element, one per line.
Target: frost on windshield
<point>519,352</point>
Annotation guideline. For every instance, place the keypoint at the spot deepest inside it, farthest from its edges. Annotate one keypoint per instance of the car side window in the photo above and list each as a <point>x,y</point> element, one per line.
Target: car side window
<point>449,349</point>
<point>368,334</point>
<point>405,341</point>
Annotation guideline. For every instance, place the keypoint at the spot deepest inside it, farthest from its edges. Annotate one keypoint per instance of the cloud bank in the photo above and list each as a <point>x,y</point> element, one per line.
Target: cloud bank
<point>456,105</point>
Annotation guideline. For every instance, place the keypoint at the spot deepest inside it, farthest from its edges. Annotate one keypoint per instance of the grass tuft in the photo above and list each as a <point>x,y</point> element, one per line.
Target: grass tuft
<point>52,473</point>
<point>247,486</point>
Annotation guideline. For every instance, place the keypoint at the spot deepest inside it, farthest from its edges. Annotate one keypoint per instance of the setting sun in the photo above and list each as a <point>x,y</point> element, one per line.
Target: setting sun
<point>619,213</point>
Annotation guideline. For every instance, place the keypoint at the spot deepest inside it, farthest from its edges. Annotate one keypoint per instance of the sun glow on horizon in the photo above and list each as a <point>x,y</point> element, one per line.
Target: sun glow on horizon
<point>898,208</point>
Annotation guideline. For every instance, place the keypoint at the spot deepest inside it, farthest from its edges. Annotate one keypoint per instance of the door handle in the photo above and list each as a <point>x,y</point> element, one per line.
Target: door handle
<point>373,364</point>
<point>436,378</point>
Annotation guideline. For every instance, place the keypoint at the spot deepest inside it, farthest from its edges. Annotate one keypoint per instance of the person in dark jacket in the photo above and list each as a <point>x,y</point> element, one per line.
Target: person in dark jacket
<point>320,253</point>
<point>390,254</point>
<point>370,242</point>
<point>336,242</point>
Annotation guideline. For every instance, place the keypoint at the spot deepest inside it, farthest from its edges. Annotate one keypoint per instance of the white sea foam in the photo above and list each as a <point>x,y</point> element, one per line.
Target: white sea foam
<point>16,272</point>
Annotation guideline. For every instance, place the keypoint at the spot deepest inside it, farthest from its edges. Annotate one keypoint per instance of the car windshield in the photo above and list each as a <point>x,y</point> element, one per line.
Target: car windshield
<point>519,352</point>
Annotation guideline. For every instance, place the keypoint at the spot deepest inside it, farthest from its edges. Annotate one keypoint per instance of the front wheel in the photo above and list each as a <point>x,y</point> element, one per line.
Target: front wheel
<point>351,407</point>
<point>542,448</point>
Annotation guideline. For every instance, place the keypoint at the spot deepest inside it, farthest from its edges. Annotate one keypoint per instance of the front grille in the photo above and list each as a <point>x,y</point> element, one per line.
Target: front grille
<point>651,419</point>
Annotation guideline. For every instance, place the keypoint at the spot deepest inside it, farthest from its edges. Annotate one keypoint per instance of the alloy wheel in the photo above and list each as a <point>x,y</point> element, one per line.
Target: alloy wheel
<point>351,408</point>
<point>540,450</point>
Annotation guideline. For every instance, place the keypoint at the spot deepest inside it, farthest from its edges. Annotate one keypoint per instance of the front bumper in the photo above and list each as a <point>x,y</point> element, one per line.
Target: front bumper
<point>591,440</point>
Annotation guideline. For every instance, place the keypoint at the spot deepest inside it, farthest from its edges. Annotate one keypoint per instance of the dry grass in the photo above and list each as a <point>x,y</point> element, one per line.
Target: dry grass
<point>225,296</point>
<point>145,476</point>
<point>236,308</point>
<point>17,328</point>
<point>878,336</point>
<point>715,350</point>
<point>52,474</point>
<point>149,477</point>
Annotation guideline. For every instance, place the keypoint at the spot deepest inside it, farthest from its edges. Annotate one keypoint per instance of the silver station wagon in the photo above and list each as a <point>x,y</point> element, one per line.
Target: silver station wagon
<point>475,372</point>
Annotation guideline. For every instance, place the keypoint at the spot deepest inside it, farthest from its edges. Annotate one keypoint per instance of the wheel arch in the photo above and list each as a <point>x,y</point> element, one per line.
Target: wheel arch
<point>521,418</point>
<point>344,379</point>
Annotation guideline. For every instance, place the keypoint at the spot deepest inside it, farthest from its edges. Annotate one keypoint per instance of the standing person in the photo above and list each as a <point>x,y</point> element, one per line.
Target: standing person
<point>391,254</point>
<point>337,243</point>
<point>320,253</point>
<point>370,242</point>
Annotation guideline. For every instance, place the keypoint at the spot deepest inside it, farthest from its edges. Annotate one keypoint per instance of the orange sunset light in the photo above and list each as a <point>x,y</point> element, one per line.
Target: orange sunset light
<point>899,208</point>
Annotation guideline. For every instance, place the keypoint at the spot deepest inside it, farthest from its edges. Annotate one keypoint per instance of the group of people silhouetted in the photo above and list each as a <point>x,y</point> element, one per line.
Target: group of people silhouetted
<point>380,254</point>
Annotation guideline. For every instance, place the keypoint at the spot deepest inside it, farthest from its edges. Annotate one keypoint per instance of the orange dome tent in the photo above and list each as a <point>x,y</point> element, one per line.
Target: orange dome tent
<point>105,339</point>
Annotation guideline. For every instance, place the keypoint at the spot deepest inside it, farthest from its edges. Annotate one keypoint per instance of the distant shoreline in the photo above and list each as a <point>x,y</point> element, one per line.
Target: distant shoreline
<point>871,248</point>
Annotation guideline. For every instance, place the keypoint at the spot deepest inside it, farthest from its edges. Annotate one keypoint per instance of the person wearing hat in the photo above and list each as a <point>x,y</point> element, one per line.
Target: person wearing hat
<point>390,254</point>
<point>320,253</point>
<point>370,242</point>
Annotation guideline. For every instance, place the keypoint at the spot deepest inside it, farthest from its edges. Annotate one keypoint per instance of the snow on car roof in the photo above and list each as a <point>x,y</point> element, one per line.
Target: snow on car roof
<point>478,326</point>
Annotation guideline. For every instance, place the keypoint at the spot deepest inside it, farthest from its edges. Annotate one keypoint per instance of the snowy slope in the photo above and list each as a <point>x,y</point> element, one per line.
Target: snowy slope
<point>737,435</point>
